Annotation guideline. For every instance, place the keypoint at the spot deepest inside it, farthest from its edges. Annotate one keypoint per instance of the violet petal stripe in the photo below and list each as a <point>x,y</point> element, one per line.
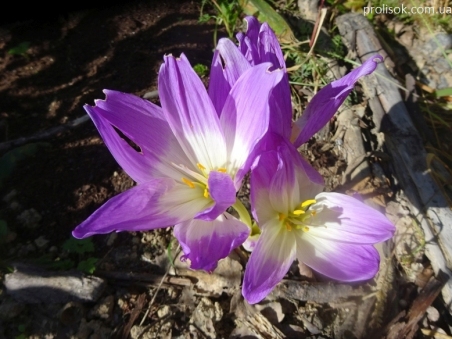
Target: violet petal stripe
<point>248,41</point>
<point>228,65</point>
<point>350,221</point>
<point>338,260</point>
<point>328,100</point>
<point>206,242</point>
<point>136,209</point>
<point>281,108</point>
<point>261,175</point>
<point>144,124</point>
<point>190,113</point>
<point>269,262</point>
<point>245,115</point>
<point>219,87</point>
<point>269,48</point>
<point>136,165</point>
<point>222,191</point>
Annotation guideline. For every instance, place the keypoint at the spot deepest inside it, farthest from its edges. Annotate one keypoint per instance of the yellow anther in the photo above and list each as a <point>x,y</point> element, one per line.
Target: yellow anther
<point>281,217</point>
<point>288,227</point>
<point>222,170</point>
<point>299,212</point>
<point>201,167</point>
<point>188,183</point>
<point>206,193</point>
<point>305,228</point>
<point>313,213</point>
<point>307,203</point>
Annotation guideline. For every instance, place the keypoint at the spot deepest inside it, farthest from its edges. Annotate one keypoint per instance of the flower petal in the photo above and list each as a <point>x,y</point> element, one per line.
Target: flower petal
<point>338,260</point>
<point>347,219</point>
<point>222,191</point>
<point>327,101</point>
<point>245,116</point>
<point>248,41</point>
<point>268,263</point>
<point>136,209</point>
<point>206,242</point>
<point>143,123</point>
<point>269,48</point>
<point>190,113</point>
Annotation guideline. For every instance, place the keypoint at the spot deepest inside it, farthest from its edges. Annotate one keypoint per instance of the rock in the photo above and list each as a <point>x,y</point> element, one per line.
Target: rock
<point>34,285</point>
<point>204,317</point>
<point>432,314</point>
<point>163,311</point>
<point>104,308</point>
<point>272,311</point>
<point>41,242</point>
<point>29,218</point>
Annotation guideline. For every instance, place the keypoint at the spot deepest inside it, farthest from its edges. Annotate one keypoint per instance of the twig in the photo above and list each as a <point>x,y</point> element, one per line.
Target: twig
<point>5,146</point>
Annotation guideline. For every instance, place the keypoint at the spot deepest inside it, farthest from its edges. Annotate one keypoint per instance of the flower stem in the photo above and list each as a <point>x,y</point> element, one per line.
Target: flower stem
<point>243,213</point>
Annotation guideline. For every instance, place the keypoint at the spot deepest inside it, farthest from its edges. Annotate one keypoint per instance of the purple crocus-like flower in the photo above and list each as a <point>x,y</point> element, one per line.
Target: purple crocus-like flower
<point>191,158</point>
<point>330,232</point>
<point>259,44</point>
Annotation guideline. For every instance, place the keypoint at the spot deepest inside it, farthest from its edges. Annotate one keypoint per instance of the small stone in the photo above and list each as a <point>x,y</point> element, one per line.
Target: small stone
<point>163,311</point>
<point>41,242</point>
<point>111,238</point>
<point>104,308</point>
<point>432,314</point>
<point>29,218</point>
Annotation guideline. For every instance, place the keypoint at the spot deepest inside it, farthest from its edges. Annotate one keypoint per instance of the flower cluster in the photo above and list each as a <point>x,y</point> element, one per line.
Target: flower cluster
<point>196,148</point>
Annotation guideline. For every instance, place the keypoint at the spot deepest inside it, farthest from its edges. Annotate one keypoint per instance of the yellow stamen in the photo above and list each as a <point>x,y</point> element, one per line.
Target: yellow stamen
<point>313,213</point>
<point>307,203</point>
<point>206,193</point>
<point>299,212</point>
<point>305,228</point>
<point>188,183</point>
<point>201,167</point>
<point>222,170</point>
<point>281,217</point>
<point>288,227</point>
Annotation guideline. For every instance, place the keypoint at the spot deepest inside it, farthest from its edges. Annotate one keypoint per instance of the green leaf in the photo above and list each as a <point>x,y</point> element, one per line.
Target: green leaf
<point>79,246</point>
<point>3,229</point>
<point>88,266</point>
<point>201,70</point>
<point>267,14</point>
<point>444,92</point>
<point>20,49</point>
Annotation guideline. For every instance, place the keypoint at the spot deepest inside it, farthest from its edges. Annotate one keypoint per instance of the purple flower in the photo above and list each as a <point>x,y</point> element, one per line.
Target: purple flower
<point>259,44</point>
<point>191,159</point>
<point>330,232</point>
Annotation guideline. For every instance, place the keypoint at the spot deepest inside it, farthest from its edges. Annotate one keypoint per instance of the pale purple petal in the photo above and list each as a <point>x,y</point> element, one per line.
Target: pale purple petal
<point>190,113</point>
<point>222,191</point>
<point>269,48</point>
<point>219,87</point>
<point>144,124</point>
<point>347,219</point>
<point>248,41</point>
<point>206,242</point>
<point>136,209</point>
<point>245,115</point>
<point>281,109</point>
<point>268,263</point>
<point>338,260</point>
<point>328,100</point>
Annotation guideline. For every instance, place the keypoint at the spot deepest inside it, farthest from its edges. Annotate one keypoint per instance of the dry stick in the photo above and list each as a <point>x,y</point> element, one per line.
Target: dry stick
<point>158,288</point>
<point>7,145</point>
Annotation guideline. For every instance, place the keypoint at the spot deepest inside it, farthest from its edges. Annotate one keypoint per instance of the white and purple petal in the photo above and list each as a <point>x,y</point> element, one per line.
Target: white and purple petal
<point>346,219</point>
<point>328,100</point>
<point>190,113</point>
<point>337,260</point>
<point>136,209</point>
<point>269,262</point>
<point>206,242</point>
<point>245,116</point>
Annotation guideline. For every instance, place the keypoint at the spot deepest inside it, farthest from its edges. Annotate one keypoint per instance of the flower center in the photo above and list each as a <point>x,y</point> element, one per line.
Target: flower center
<point>203,179</point>
<point>297,219</point>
